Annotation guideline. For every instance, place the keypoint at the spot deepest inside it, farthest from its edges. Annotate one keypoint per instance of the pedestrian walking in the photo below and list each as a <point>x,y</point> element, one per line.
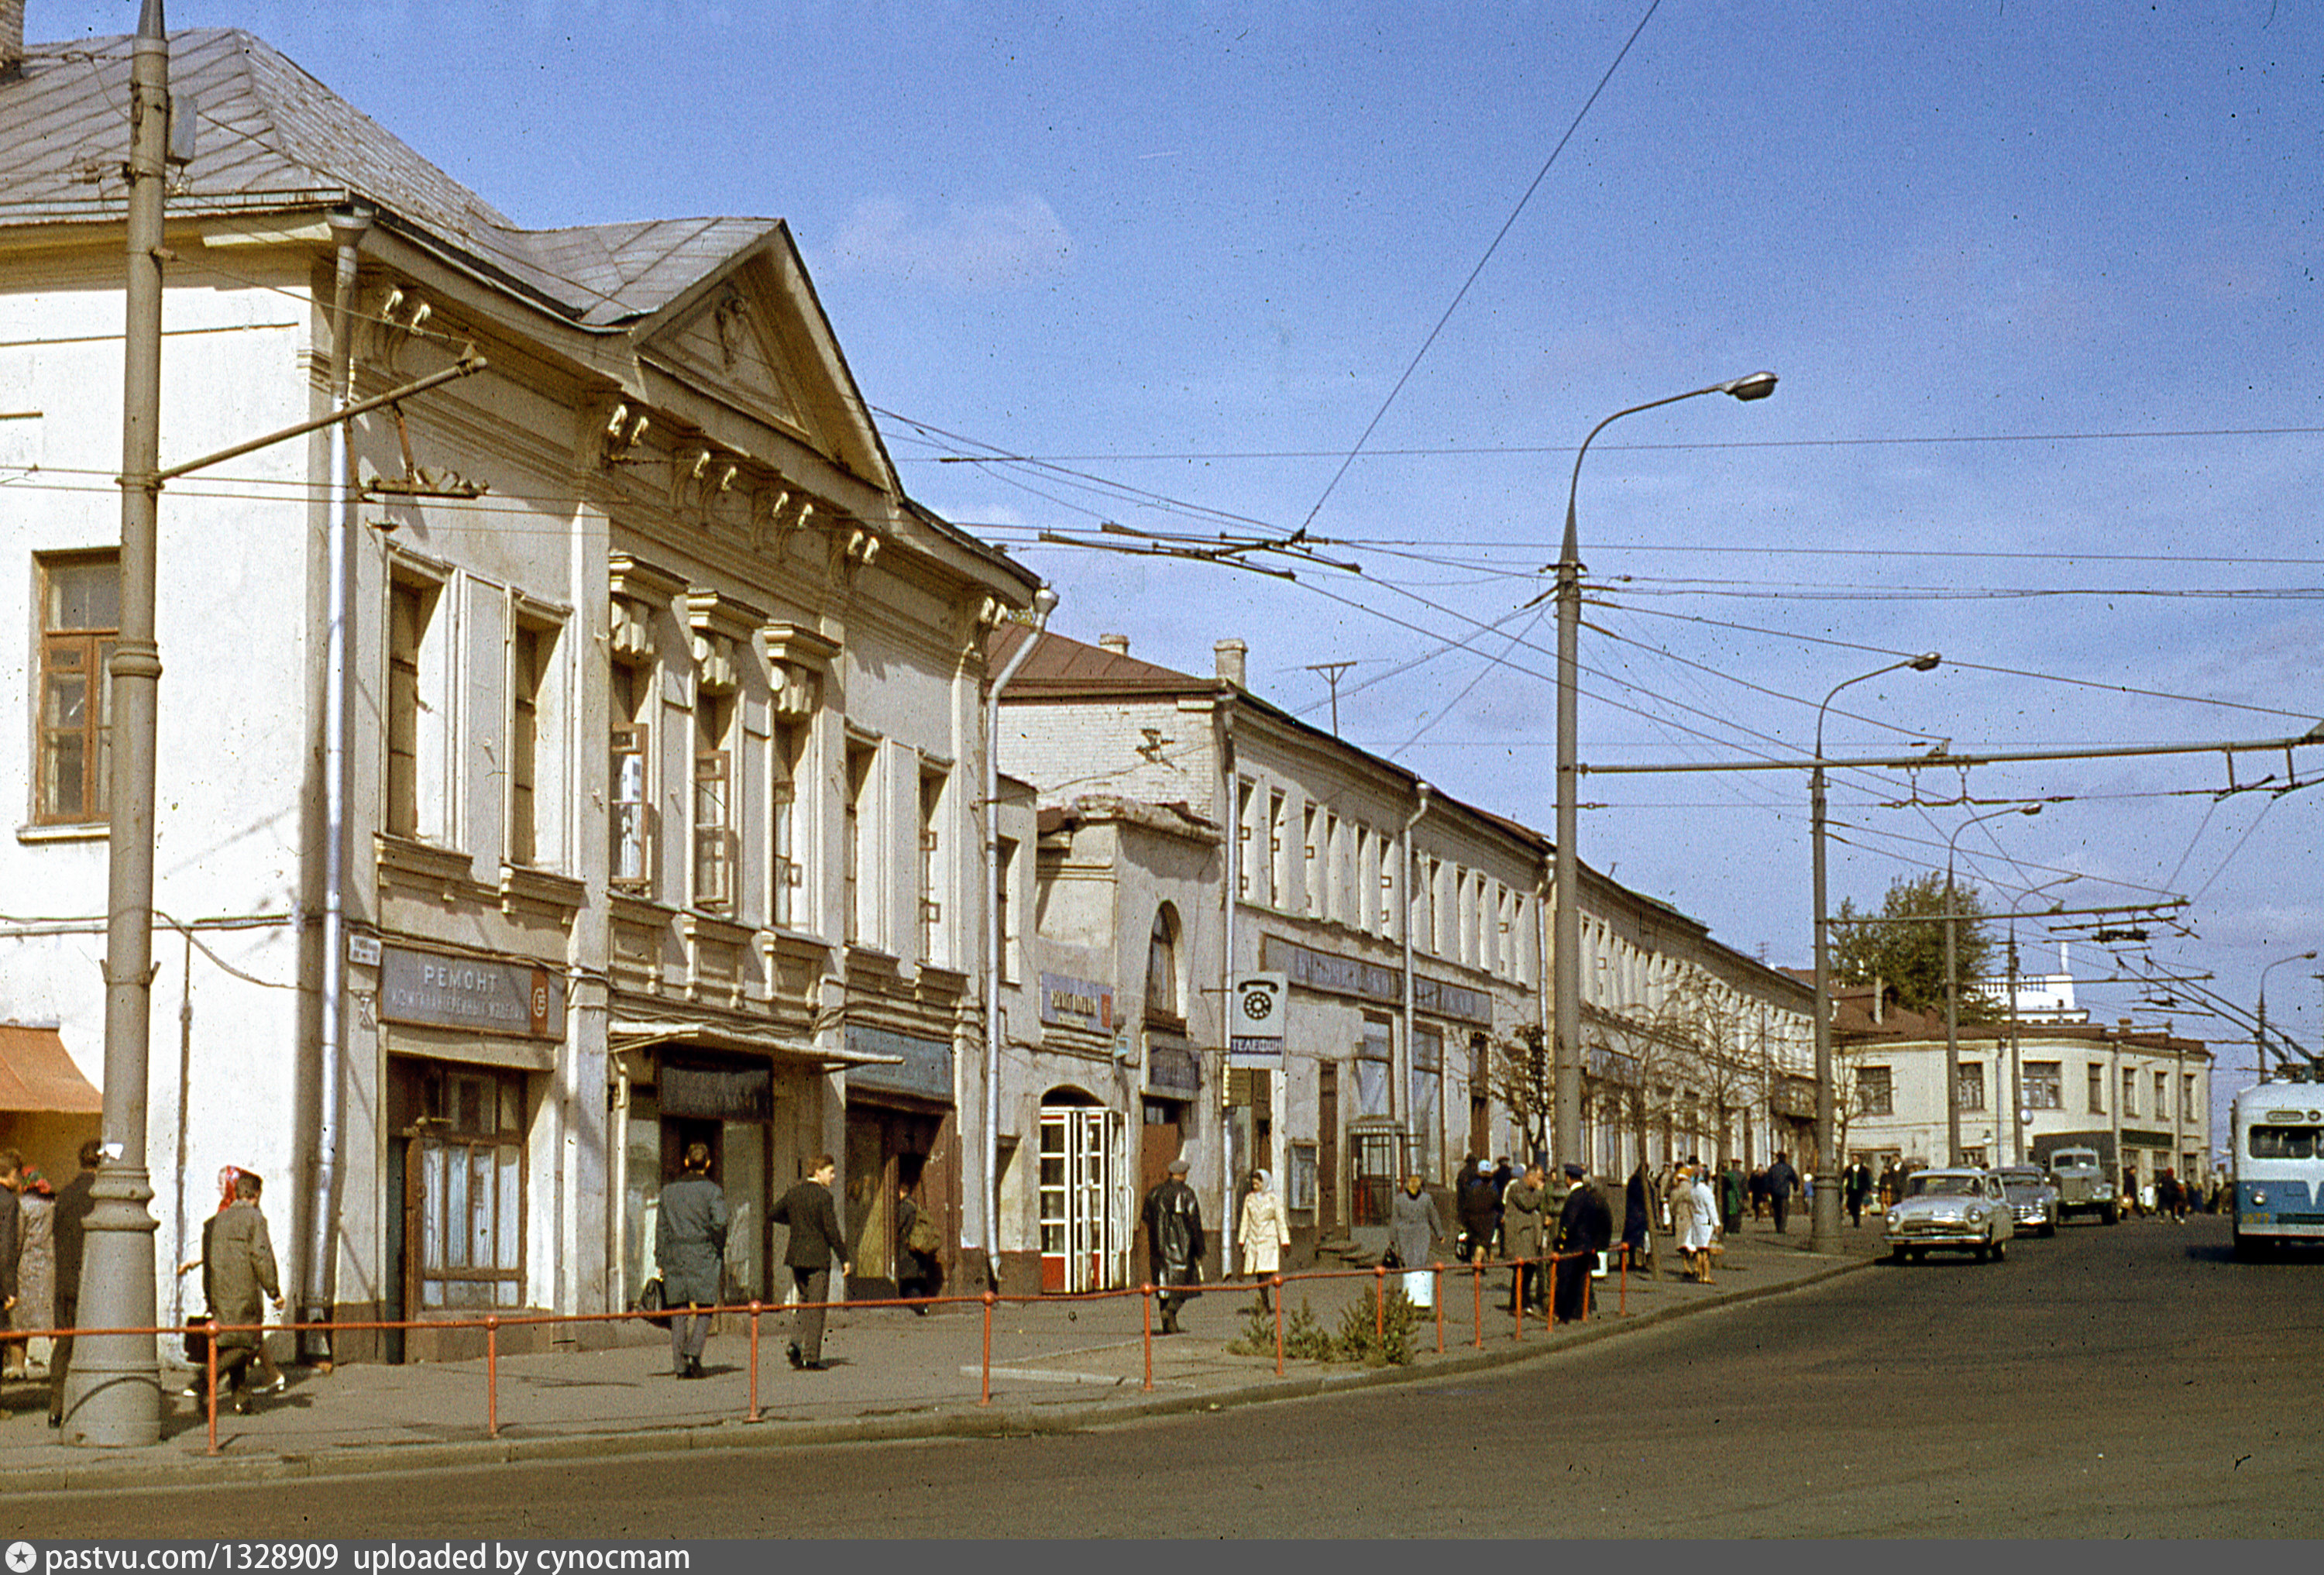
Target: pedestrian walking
<point>239,1277</point>
<point>1638,1211</point>
<point>1585,1228</point>
<point>1263,1233</point>
<point>1705,1237</point>
<point>815,1245</point>
<point>1414,1231</point>
<point>690,1252</point>
<point>11,1242</point>
<point>1855,1185</point>
<point>1173,1242</point>
<point>1475,1198</point>
<point>919,1269</point>
<point>1759,1193</point>
<point>1684,1226</point>
<point>1525,1213</point>
<point>36,1268</point>
<point>74,1202</point>
<point>1733,1187</point>
<point>1782,1181</point>
<point>270,1380</point>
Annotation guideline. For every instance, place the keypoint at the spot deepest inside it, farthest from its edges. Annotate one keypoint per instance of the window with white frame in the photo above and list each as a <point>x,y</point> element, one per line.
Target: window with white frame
<point>935,938</point>
<point>80,618</point>
<point>1162,1000</point>
<point>413,724</point>
<point>2096,1070</point>
<point>2045,1085</point>
<point>787,875</point>
<point>1876,1090</point>
<point>533,685</point>
<point>715,843</point>
<point>1004,912</point>
<point>859,916</point>
<point>1972,1086</point>
<point>1246,836</point>
<point>1278,850</point>
<point>628,795</point>
<point>1314,868</point>
<point>2129,1092</point>
<point>2161,1095</point>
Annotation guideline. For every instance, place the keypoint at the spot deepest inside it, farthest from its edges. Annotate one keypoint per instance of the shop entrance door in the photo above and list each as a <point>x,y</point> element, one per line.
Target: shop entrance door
<point>1076,1199</point>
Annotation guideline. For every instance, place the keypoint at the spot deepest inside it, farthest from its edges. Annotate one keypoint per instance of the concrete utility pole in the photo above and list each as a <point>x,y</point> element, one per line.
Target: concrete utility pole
<point>113,1393</point>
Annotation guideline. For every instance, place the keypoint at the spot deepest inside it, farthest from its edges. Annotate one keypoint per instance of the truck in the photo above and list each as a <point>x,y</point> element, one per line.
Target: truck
<point>2084,1185</point>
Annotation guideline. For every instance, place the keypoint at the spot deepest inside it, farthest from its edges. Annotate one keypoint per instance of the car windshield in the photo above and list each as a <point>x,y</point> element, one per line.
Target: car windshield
<point>1943,1186</point>
<point>2021,1178</point>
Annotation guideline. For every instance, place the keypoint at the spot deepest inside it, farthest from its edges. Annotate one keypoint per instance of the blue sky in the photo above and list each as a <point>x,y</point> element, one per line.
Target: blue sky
<point>2040,283</point>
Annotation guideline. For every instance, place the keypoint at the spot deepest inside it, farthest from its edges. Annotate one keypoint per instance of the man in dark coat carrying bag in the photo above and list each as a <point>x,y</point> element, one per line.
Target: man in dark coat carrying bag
<point>1174,1243</point>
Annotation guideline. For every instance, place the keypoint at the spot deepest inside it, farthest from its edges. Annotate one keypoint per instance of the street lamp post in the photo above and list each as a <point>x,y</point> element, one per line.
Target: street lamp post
<point>2259,1033</point>
<point>1566,930</point>
<point>1952,984</point>
<point>1824,1217</point>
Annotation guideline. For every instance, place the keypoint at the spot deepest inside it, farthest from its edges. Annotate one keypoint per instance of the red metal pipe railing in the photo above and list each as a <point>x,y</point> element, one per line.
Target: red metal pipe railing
<point>491,1325</point>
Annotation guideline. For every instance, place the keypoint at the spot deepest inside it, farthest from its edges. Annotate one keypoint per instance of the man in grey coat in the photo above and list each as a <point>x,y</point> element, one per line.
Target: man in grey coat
<point>689,1251</point>
<point>1524,1208</point>
<point>238,1267</point>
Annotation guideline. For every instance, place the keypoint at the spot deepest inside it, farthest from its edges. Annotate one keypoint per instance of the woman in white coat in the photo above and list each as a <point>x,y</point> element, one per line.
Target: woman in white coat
<point>1263,1233</point>
<point>1703,1230</point>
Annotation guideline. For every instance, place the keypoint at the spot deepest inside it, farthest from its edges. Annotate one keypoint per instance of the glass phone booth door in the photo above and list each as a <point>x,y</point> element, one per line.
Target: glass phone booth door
<point>1077,1228</point>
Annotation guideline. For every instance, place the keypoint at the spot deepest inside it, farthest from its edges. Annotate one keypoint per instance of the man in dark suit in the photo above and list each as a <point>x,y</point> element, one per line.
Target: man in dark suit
<point>1585,1228</point>
<point>71,1225</point>
<point>815,1244</point>
<point>1782,1181</point>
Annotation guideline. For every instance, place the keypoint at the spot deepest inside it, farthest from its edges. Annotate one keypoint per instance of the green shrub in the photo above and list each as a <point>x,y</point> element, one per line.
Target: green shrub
<point>1304,1339</point>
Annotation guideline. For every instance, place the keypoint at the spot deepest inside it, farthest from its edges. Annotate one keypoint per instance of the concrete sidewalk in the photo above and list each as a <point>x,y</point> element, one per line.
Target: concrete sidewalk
<point>1057,1365</point>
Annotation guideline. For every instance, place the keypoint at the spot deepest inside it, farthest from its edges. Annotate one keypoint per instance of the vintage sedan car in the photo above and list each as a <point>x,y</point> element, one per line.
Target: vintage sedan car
<point>1952,1209</point>
<point>2032,1197</point>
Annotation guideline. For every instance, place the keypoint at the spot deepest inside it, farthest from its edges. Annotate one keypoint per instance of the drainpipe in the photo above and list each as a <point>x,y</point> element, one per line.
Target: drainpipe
<point>322,1245</point>
<point>1044,602</point>
<point>1422,791</point>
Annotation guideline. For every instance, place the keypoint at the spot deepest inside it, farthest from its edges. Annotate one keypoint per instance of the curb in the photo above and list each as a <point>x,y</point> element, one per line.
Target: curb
<point>732,1436</point>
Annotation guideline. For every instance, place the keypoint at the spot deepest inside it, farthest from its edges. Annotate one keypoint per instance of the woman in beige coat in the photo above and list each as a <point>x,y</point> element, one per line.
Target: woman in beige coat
<point>1682,1211</point>
<point>1263,1233</point>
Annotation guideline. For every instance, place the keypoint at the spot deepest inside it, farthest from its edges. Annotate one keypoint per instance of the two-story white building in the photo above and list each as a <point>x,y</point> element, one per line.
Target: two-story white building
<point>2049,1080</point>
<point>580,759</point>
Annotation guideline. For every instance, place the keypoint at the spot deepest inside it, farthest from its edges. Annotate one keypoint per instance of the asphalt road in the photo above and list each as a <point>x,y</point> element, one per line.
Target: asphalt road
<point>2126,1382</point>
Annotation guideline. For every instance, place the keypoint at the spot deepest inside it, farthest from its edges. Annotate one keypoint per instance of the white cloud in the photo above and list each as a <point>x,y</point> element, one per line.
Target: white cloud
<point>981,246</point>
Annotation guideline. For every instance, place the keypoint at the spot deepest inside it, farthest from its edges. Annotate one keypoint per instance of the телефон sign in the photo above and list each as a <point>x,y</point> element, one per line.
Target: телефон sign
<point>523,1000</point>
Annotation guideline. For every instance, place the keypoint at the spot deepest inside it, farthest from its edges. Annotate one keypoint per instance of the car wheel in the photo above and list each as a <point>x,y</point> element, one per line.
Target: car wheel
<point>2049,1229</point>
<point>1919,1253</point>
<point>2110,1215</point>
<point>2000,1251</point>
<point>1896,1256</point>
<point>1984,1250</point>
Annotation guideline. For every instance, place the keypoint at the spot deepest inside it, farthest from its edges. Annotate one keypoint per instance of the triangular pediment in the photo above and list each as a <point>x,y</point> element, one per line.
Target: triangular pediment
<point>754,333</point>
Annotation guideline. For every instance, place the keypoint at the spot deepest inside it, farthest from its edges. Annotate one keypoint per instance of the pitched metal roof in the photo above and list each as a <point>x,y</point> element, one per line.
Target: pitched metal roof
<point>268,135</point>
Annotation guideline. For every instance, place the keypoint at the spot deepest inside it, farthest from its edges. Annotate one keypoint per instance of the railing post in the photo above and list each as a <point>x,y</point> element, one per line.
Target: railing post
<point>210,1356</point>
<point>1589,1284</point>
<point>1623,1310</point>
<point>1440,1309</point>
<point>1145,1329</point>
<point>985,1398</point>
<point>1380,1302</point>
<point>1517,1292</point>
<point>754,1361</point>
<point>1477,1285</point>
<point>493,1376</point>
<point>1277,1284</point>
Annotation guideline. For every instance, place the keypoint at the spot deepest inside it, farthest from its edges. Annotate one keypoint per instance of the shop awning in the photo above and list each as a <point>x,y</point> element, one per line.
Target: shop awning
<point>643,1034</point>
<point>37,1075</point>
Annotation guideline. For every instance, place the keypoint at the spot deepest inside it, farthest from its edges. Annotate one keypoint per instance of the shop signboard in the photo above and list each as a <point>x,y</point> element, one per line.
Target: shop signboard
<point>484,995</point>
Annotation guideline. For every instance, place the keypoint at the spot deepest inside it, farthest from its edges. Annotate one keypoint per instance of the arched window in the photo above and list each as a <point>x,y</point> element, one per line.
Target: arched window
<point>1162,966</point>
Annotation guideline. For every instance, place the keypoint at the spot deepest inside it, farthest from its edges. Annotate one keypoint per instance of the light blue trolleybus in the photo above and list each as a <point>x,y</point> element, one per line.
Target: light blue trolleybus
<point>2278,1165</point>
